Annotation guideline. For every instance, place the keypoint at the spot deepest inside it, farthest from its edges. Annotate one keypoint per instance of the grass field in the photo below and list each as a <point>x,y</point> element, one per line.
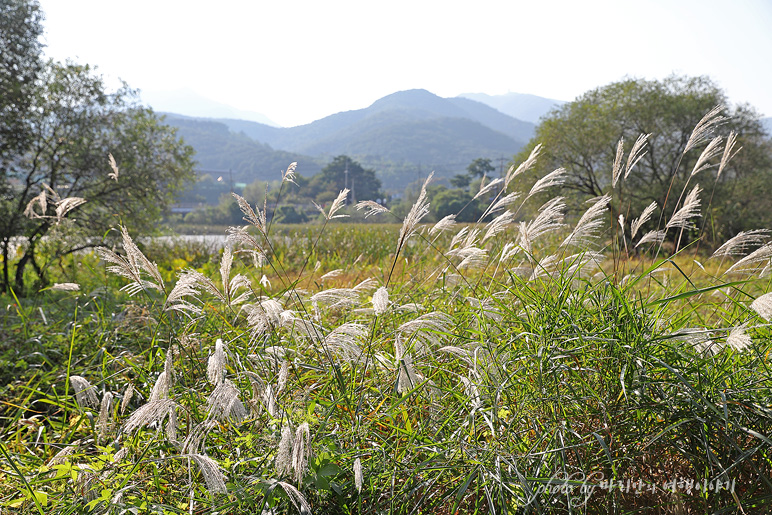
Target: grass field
<point>508,366</point>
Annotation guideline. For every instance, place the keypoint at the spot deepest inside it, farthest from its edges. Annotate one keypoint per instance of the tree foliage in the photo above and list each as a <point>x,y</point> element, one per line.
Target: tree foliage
<point>71,125</point>
<point>343,172</point>
<point>582,136</point>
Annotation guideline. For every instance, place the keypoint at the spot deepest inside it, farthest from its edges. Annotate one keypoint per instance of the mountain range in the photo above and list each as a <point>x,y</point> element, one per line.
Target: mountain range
<point>403,136</point>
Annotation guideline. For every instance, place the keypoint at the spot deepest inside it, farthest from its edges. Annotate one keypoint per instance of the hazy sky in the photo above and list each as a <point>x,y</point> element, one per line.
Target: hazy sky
<point>297,61</point>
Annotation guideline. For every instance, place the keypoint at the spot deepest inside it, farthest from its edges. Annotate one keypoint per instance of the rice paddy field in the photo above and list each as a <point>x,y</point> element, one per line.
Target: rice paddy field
<point>516,365</point>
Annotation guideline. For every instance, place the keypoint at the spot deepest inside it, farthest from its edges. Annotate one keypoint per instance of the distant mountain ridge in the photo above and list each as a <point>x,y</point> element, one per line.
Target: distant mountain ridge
<point>189,103</point>
<point>522,106</point>
<point>398,135</point>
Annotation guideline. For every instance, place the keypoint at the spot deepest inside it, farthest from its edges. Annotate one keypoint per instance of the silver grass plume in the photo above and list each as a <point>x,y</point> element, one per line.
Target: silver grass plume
<point>487,188</point>
<point>103,421</point>
<point>160,388</point>
<point>61,457</point>
<point>85,394</point>
<point>471,238</point>
<point>41,200</point>
<point>729,152</point>
<point>193,441</point>
<point>114,166</point>
<point>232,285</point>
<point>738,244</point>
<point>259,219</point>
<point>689,209</point>
<point>358,475</point>
<point>426,329</point>
<point>213,476</point>
<point>446,224</point>
<point>554,178</point>
<point>381,300</point>
<point>297,499</point>
<point>281,382</point>
<point>487,308</point>
<point>705,127</point>
<point>498,224</point>
<point>289,174</point>
<point>524,166</point>
<point>505,201</point>
<point>66,205</point>
<point>301,451</point>
<point>332,274</point>
<point>269,401</point>
<point>224,404</point>
<point>169,364</point>
<point>458,237</point>
<point>177,300</point>
<point>636,153</point>
<point>304,328</point>
<point>761,254</point>
<point>763,306</point>
<point>473,257</point>
<point>509,250</point>
<point>336,206</point>
<point>709,152</point>
<point>241,235</point>
<point>589,224</point>
<point>698,338</point>
<point>366,285</point>
<point>152,411</point>
<point>65,287</point>
<point>337,297</point>
<point>645,216</point>
<point>550,218</point>
<point>373,208</point>
<point>655,237</point>
<point>738,340</point>
<point>216,364</point>
<point>134,266</point>
<point>342,341</point>
<point>283,460</point>
<point>127,395</point>
<point>406,376</point>
<point>616,169</point>
<point>419,210</point>
<point>264,316</point>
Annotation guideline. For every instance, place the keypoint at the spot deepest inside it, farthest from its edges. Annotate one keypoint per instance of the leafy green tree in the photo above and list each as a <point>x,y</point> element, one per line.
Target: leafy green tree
<point>460,181</point>
<point>455,202</point>
<point>71,124</point>
<point>344,172</point>
<point>480,167</point>
<point>20,68</point>
<point>582,136</point>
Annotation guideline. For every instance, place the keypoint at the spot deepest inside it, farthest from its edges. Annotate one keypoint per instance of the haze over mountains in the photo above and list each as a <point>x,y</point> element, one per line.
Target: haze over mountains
<point>403,136</point>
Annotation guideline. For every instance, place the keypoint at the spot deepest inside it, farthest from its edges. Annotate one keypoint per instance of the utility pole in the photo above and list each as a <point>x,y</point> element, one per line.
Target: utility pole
<point>345,180</point>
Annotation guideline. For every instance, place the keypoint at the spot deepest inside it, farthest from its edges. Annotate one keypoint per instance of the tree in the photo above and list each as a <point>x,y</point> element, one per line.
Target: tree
<point>344,172</point>
<point>20,66</point>
<point>582,136</point>
<point>456,202</point>
<point>71,125</point>
<point>480,167</point>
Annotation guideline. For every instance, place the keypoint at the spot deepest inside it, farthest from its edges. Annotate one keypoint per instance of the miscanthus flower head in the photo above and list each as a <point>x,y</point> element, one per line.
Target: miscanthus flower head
<point>85,394</point>
<point>763,306</point>
<point>381,300</point>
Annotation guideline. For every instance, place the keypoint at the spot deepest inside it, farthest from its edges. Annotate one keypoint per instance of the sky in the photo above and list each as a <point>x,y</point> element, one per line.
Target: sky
<point>298,61</point>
